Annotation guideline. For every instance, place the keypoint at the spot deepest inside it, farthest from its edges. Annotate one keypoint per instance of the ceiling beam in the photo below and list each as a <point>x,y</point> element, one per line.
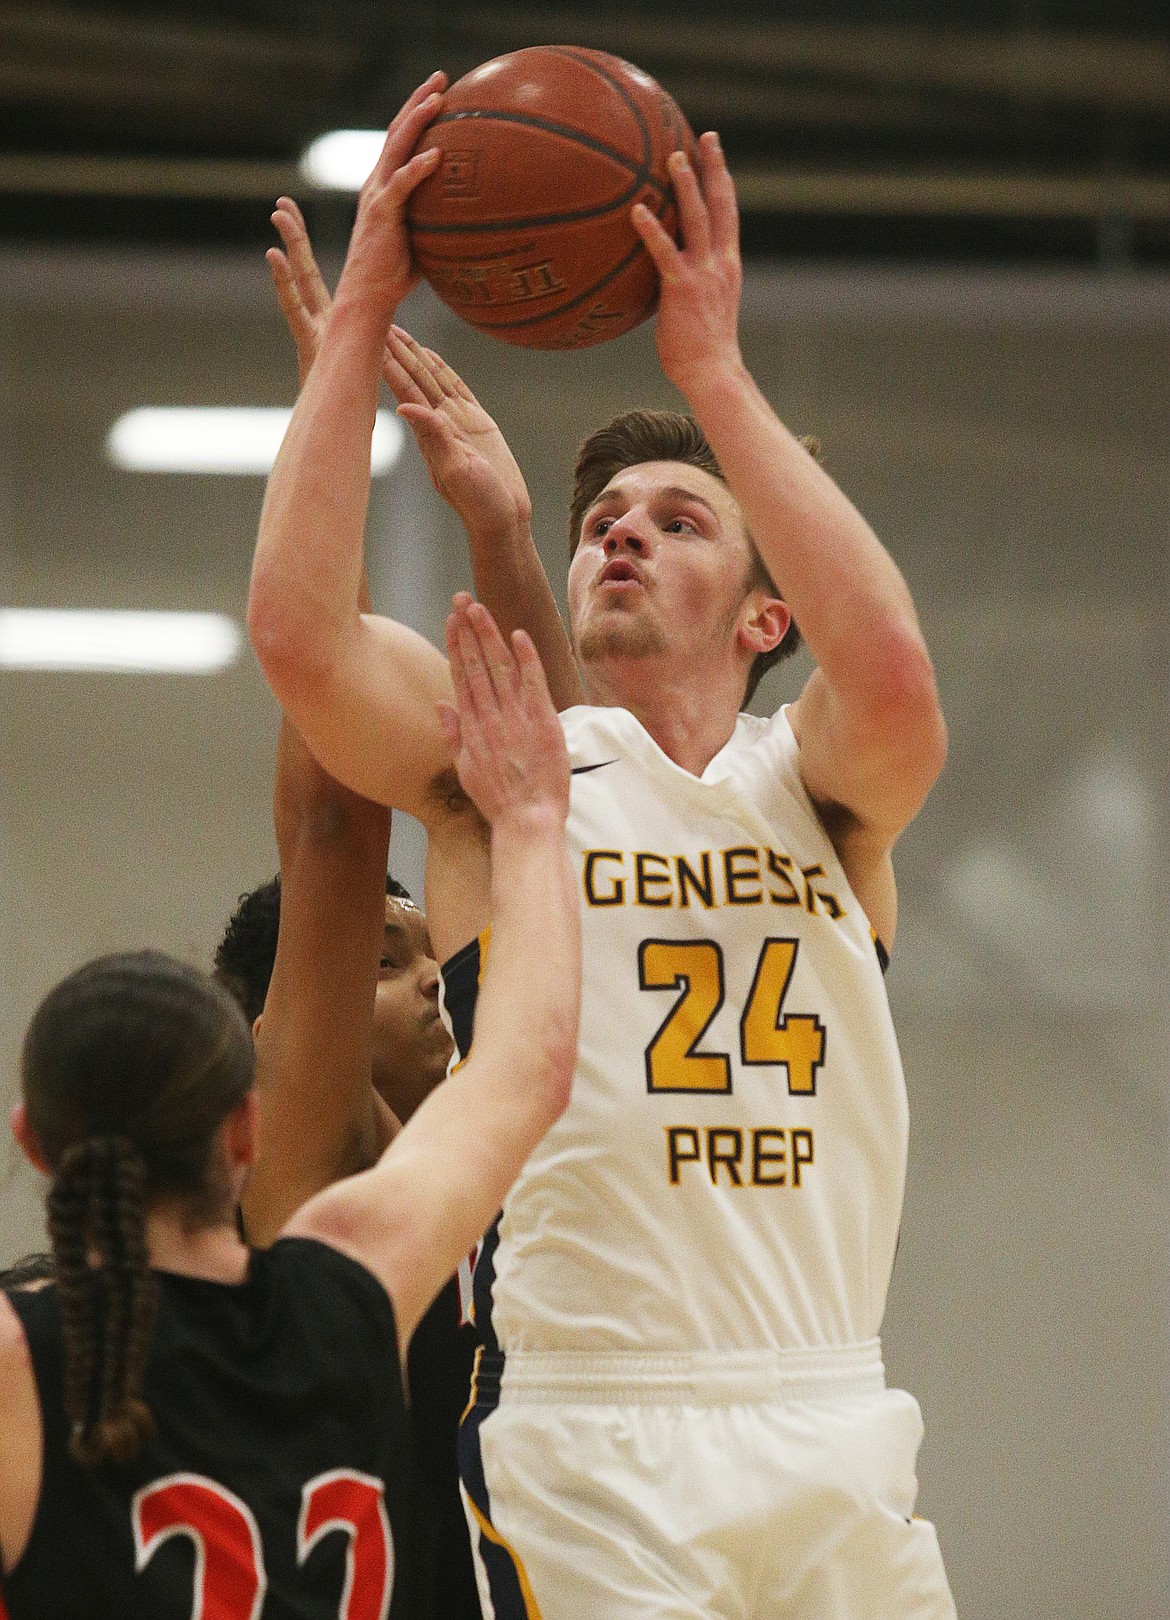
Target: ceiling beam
<point>1025,64</point>
<point>768,189</point>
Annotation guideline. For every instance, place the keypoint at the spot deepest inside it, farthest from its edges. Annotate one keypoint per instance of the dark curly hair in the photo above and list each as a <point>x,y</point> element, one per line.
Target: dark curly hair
<point>245,955</point>
<point>638,436</point>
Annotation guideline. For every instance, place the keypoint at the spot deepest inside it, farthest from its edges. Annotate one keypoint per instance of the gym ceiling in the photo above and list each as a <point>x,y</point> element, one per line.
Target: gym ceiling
<point>1008,131</point>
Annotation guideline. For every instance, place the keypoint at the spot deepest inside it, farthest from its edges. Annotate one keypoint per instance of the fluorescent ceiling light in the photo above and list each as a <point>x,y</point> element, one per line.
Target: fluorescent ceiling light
<point>178,643</point>
<point>221,439</point>
<point>343,159</point>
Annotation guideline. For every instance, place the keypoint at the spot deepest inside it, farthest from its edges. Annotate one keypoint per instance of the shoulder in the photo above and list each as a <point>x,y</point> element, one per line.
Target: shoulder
<point>307,1252</point>
<point>323,1284</point>
<point>771,732</point>
<point>13,1343</point>
<point>28,1318</point>
<point>590,720</point>
<point>20,1436</point>
<point>326,1243</point>
<point>865,858</point>
<point>762,752</point>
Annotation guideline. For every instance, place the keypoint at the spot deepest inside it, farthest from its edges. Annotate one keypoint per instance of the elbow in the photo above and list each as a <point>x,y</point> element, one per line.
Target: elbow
<point>560,1063</point>
<point>905,696</point>
<point>288,640</point>
<point>270,628</point>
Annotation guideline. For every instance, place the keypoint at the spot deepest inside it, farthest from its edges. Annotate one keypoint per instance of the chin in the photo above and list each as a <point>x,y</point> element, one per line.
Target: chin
<point>621,640</point>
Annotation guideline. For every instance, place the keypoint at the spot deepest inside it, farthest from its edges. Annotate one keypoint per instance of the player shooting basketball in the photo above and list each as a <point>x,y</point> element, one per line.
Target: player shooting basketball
<point>681,1406</point>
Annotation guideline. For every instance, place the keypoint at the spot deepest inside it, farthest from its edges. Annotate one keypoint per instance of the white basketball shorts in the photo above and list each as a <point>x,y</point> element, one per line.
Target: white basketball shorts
<point>697,1487</point>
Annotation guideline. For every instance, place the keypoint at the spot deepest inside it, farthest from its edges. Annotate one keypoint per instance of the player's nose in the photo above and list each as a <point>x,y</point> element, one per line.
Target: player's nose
<point>626,533</point>
<point>428,979</point>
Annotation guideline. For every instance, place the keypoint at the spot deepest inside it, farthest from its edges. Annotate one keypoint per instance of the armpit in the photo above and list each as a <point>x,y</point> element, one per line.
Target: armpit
<point>446,794</point>
<point>839,821</point>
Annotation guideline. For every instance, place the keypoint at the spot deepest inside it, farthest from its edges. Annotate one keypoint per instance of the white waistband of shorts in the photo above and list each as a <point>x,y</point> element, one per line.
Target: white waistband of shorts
<point>693,1378</point>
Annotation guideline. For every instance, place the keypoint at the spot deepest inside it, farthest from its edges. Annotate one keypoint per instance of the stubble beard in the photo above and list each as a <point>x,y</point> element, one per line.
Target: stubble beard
<point>621,639</point>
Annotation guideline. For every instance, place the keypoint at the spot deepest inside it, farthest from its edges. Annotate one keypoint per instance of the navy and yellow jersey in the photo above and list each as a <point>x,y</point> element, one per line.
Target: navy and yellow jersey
<point>730,1169</point>
<point>458,993</point>
<point>439,1365</point>
<point>281,1476</point>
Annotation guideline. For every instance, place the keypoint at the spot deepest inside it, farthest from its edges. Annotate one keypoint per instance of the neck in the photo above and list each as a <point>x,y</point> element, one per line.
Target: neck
<point>690,715</point>
<point>215,1252</point>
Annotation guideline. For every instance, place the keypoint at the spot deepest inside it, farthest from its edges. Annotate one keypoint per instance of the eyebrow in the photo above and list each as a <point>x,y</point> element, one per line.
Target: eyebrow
<point>670,492</point>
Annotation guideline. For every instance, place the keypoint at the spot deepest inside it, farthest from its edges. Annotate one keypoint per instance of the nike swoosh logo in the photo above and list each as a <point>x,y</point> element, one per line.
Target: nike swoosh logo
<point>580,770</point>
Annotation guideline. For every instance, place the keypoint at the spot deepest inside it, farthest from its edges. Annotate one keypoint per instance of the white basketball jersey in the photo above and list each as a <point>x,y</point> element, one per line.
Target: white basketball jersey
<point>729,1172</point>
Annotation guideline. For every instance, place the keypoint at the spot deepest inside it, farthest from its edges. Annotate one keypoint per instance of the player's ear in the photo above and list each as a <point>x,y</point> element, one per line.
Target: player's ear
<point>241,1130</point>
<point>256,1022</point>
<point>26,1139</point>
<point>764,623</point>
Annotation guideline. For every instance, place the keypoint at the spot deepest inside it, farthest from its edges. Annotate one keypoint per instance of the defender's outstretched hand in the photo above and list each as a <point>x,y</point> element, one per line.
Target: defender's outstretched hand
<point>466,454</point>
<point>304,299</point>
<point>508,744</point>
<point>698,307</point>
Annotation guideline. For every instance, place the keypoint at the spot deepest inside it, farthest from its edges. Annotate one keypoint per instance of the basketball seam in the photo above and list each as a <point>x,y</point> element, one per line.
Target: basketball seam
<point>614,84</point>
<point>529,222</point>
<point>548,127</point>
<point>562,309</point>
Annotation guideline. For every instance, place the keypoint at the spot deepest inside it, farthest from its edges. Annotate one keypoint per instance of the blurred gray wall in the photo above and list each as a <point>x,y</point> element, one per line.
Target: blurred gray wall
<point>1008,439</point>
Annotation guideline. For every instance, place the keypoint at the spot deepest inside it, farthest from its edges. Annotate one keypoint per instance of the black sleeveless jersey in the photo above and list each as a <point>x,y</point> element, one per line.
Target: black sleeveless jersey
<point>280,1483</point>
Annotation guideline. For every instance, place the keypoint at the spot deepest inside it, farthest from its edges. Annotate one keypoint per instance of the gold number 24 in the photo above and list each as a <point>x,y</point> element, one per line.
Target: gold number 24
<point>795,1041</point>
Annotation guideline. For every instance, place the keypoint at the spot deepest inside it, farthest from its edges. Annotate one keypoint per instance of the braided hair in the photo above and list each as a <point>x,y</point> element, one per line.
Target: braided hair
<point>129,1068</point>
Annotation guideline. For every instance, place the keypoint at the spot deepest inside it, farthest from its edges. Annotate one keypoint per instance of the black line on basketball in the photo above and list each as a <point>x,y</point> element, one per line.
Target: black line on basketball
<point>547,125</point>
<point>419,227</point>
<point>614,84</point>
<point>561,309</point>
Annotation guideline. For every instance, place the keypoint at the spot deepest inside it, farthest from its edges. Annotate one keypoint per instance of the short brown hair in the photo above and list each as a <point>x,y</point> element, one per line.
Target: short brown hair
<point>638,436</point>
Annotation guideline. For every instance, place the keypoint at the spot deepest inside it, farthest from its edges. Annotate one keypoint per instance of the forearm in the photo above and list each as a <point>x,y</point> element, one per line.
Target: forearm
<point>528,1006</point>
<point>511,582</point>
<point>851,603</point>
<point>312,807</point>
<point>309,553</point>
<point>319,1112</point>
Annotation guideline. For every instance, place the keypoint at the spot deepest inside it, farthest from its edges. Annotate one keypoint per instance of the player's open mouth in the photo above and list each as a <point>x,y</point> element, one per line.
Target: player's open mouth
<point>619,572</point>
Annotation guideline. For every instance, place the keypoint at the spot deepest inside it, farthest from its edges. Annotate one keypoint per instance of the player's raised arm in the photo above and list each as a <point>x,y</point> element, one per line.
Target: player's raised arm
<point>435,1190</point>
<point>871,732</point>
<point>320,1117</point>
<point>351,682</point>
<point>466,455</point>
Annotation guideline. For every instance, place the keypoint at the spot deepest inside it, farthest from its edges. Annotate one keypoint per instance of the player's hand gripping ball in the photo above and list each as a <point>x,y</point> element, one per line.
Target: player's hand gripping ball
<point>524,227</point>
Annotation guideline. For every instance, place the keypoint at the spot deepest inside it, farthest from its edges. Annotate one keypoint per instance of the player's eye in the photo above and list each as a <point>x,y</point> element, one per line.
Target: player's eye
<point>394,959</point>
<point>681,525</point>
<point>601,527</point>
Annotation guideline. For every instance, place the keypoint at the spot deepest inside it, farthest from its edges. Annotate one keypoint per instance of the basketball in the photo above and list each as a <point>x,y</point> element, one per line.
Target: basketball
<point>524,227</point>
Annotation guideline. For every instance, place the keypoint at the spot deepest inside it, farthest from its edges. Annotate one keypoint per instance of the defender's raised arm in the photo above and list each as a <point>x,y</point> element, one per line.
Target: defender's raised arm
<point>428,1200</point>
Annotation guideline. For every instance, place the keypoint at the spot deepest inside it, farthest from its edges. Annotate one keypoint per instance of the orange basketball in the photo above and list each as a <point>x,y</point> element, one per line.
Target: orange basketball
<point>524,227</point>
